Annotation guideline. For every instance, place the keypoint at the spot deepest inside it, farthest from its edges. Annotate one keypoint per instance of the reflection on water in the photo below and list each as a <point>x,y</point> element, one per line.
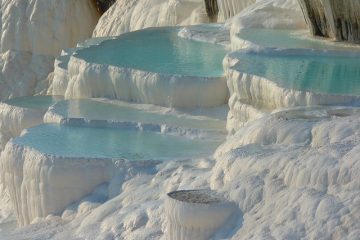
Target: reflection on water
<point>159,50</point>
<point>6,228</point>
<point>320,73</point>
<point>121,143</point>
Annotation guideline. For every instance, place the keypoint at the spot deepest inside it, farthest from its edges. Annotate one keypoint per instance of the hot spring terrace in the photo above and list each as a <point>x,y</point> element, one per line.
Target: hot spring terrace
<point>85,142</point>
<point>153,66</point>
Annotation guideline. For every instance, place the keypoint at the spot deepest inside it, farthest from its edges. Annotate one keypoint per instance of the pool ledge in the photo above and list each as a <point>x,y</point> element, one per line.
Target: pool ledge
<point>89,80</point>
<point>41,184</point>
<point>265,95</point>
<point>14,119</point>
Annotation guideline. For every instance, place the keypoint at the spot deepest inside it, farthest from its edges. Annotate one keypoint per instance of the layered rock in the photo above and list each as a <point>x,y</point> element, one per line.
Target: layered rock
<point>335,19</point>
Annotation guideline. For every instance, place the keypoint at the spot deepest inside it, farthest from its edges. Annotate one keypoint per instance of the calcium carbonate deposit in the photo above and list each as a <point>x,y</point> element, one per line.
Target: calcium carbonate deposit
<point>153,128</point>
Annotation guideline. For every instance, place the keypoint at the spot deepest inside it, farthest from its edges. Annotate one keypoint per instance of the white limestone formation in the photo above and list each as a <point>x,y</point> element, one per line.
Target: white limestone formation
<point>230,8</point>
<point>40,184</point>
<point>264,95</point>
<point>89,80</point>
<point>23,74</point>
<point>131,15</point>
<point>13,120</point>
<point>45,27</point>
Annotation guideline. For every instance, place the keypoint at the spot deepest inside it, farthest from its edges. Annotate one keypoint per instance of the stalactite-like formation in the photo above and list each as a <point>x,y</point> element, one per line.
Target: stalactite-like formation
<point>230,8</point>
<point>335,19</point>
<point>212,9</point>
<point>103,5</point>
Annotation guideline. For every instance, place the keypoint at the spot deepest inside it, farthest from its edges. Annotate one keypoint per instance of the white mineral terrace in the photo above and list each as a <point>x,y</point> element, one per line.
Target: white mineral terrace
<point>183,72</point>
<point>149,119</point>
<point>18,114</point>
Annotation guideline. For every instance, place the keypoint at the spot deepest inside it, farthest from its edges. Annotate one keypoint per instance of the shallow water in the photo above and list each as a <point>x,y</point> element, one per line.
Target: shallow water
<point>159,50</point>
<point>6,228</point>
<point>316,73</point>
<point>97,110</point>
<point>35,102</point>
<point>282,38</point>
<point>128,144</point>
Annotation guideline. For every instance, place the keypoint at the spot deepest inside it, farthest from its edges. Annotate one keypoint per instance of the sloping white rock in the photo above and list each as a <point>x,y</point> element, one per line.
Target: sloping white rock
<point>23,73</point>
<point>131,15</point>
<point>294,175</point>
<point>45,26</point>
<point>230,8</point>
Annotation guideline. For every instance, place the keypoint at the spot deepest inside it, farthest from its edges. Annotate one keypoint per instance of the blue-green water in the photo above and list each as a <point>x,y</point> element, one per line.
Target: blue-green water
<point>98,110</point>
<point>71,141</point>
<point>282,38</point>
<point>159,50</point>
<point>316,73</point>
<point>35,102</point>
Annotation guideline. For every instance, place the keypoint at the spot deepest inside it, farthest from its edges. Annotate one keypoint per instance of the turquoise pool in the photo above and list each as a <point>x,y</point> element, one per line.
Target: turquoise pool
<point>158,50</point>
<point>282,38</point>
<point>125,112</point>
<point>320,73</point>
<point>69,141</point>
<point>35,102</point>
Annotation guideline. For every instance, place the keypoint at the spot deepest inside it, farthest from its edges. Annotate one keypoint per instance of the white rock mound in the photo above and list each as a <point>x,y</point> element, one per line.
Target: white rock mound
<point>45,26</point>
<point>23,73</point>
<point>131,15</point>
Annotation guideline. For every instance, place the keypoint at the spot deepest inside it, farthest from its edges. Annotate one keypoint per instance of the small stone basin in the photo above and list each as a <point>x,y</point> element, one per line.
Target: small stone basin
<point>196,214</point>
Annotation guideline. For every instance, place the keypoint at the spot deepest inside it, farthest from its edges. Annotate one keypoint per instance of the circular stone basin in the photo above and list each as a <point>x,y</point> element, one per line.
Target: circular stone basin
<point>158,50</point>
<point>316,72</point>
<point>196,214</point>
<point>34,102</point>
<point>85,142</point>
<point>117,111</point>
<point>282,38</point>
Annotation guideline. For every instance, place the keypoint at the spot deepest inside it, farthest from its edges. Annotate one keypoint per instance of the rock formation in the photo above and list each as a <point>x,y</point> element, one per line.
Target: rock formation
<point>212,9</point>
<point>103,5</point>
<point>335,19</point>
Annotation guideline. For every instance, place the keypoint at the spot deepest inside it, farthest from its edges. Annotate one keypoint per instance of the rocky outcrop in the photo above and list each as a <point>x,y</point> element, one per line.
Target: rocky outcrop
<point>335,19</point>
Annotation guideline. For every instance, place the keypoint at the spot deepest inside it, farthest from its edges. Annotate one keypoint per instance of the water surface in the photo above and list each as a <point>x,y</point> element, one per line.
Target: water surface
<point>70,141</point>
<point>159,50</point>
